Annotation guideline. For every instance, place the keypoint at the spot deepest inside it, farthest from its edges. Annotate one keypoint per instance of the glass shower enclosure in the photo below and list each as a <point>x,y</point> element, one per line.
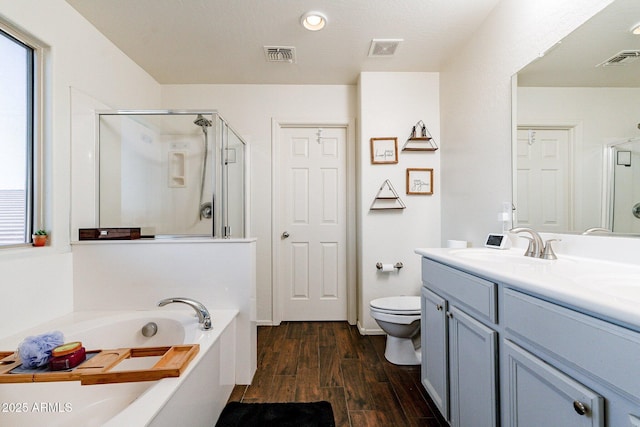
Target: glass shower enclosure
<point>171,173</point>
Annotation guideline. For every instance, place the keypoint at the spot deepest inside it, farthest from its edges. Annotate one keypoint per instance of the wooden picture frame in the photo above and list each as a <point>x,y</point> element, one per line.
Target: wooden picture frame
<point>420,181</point>
<point>384,150</point>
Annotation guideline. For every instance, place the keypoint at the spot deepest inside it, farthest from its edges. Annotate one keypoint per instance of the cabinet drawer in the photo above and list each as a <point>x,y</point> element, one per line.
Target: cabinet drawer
<point>596,348</point>
<point>476,294</point>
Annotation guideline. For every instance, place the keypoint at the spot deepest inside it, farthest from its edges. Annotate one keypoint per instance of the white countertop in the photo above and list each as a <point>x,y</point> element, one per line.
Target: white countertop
<point>608,290</point>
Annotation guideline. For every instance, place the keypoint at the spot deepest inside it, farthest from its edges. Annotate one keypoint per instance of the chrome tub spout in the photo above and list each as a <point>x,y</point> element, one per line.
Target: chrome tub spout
<point>203,314</point>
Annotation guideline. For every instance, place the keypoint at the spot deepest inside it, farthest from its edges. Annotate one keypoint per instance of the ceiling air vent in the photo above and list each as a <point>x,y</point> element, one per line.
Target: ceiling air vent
<point>621,58</point>
<point>280,54</point>
<point>384,47</point>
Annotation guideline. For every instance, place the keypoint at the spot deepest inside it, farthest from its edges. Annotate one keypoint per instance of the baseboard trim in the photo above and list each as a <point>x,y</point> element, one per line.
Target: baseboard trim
<point>272,323</point>
<point>265,323</point>
<point>367,331</point>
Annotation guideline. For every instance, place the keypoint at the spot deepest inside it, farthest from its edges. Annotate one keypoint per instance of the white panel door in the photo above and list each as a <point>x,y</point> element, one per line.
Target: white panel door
<point>543,193</point>
<point>313,224</point>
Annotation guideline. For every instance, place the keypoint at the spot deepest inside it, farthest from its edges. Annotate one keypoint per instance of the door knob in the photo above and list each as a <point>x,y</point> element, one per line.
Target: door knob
<point>285,234</point>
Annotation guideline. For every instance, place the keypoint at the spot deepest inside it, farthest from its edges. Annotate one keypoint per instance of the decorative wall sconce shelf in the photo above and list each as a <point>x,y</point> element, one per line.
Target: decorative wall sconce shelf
<point>387,198</point>
<point>424,142</point>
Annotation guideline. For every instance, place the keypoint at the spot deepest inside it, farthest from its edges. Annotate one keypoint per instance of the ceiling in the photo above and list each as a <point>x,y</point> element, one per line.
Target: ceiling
<point>573,62</point>
<point>222,41</point>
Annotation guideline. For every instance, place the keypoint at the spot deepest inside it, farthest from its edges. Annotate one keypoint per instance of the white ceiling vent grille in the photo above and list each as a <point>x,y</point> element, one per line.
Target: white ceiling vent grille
<point>384,47</point>
<point>280,54</point>
<point>621,58</point>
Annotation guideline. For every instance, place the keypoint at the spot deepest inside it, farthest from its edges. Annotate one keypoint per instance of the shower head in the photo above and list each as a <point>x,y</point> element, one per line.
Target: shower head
<point>202,122</point>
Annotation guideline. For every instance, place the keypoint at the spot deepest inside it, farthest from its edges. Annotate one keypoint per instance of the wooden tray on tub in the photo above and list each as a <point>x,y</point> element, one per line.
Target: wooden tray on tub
<point>99,369</point>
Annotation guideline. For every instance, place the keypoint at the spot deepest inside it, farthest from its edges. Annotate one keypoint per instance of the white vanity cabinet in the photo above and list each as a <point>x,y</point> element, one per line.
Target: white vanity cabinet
<point>459,352</point>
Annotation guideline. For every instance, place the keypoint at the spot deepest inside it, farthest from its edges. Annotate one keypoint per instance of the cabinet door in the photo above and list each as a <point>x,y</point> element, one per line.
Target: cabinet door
<point>540,395</point>
<point>473,371</point>
<point>434,350</point>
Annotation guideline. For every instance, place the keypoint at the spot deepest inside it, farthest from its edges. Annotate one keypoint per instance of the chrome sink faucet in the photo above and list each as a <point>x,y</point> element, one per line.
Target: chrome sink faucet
<point>536,246</point>
<point>203,314</point>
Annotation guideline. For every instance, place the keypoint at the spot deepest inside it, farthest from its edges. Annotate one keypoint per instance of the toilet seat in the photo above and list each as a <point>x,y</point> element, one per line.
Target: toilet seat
<point>400,319</point>
<point>399,305</point>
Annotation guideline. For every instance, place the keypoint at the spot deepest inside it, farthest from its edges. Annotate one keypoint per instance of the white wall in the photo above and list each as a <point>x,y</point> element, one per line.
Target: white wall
<point>604,115</point>
<point>476,108</point>
<point>249,110</point>
<point>37,282</point>
<point>390,104</point>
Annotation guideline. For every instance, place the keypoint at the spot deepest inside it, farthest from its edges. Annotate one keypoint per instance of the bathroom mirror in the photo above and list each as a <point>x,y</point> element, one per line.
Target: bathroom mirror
<point>576,107</point>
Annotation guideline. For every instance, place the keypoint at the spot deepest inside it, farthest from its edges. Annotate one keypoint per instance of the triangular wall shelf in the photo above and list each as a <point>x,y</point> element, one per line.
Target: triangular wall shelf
<point>424,142</point>
<point>420,144</point>
<point>387,198</point>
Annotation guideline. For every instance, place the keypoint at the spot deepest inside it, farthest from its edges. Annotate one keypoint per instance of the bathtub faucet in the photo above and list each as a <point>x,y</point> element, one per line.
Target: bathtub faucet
<point>203,314</point>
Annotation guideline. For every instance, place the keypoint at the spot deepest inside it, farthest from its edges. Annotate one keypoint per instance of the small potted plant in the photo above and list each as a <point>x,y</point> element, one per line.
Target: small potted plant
<point>39,238</point>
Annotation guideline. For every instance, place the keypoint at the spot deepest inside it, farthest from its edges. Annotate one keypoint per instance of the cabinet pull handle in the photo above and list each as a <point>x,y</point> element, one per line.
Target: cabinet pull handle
<point>449,315</point>
<point>580,407</point>
<point>439,307</point>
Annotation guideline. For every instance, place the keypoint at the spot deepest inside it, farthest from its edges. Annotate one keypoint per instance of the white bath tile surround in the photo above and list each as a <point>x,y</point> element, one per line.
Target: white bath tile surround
<point>137,274</point>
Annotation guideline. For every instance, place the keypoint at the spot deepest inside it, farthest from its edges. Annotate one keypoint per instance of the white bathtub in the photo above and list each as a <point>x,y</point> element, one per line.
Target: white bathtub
<point>195,398</point>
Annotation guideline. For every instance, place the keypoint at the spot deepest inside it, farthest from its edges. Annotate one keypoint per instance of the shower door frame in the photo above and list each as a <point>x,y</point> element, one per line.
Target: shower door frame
<point>215,172</point>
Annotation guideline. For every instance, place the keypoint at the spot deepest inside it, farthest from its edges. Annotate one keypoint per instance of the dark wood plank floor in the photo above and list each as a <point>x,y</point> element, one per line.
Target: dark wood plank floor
<point>311,361</point>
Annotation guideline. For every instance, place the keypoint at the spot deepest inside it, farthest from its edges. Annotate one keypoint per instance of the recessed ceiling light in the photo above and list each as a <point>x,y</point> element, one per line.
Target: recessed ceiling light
<point>636,29</point>
<point>313,21</point>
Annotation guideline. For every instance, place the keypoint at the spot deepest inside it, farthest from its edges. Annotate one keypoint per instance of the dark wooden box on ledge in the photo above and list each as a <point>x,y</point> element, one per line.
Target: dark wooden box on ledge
<point>109,233</point>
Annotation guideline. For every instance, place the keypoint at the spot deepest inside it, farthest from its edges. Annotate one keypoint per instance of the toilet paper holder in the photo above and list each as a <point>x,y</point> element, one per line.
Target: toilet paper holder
<point>397,265</point>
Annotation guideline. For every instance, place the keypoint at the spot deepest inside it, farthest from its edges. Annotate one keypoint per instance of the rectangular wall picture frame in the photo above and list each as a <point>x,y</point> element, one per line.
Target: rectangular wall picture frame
<point>420,181</point>
<point>384,150</point>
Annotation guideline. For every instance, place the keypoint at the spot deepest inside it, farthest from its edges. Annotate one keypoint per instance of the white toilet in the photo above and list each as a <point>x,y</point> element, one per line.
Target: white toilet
<point>399,317</point>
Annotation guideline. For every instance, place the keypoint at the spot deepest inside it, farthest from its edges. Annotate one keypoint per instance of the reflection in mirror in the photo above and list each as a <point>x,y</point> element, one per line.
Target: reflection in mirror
<point>623,177</point>
<point>573,103</point>
<point>165,173</point>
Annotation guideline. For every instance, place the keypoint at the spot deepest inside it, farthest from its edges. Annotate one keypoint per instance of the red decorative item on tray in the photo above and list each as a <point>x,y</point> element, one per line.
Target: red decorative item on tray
<point>67,356</point>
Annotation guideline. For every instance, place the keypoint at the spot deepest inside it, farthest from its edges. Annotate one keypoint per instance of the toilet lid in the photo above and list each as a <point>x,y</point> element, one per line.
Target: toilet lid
<point>402,304</point>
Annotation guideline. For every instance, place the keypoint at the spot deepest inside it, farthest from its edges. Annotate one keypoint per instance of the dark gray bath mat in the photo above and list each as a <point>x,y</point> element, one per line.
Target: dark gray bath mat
<point>312,414</point>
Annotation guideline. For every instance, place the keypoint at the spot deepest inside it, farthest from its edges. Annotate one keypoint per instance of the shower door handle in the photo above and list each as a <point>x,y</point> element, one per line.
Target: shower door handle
<point>285,234</point>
